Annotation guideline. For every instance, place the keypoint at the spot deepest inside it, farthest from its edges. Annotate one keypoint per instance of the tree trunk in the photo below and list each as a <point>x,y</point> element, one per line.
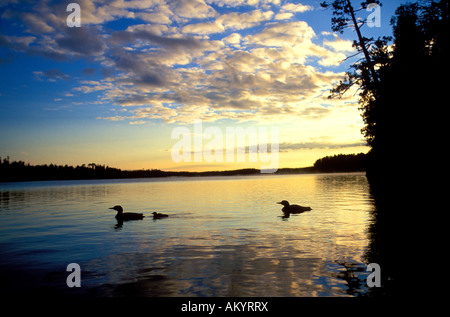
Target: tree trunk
<point>363,45</point>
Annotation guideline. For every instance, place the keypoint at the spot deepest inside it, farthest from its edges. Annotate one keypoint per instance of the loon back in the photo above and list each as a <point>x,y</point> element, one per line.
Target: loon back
<point>293,209</point>
<point>296,209</point>
<point>157,215</point>
<point>130,216</point>
<point>123,216</point>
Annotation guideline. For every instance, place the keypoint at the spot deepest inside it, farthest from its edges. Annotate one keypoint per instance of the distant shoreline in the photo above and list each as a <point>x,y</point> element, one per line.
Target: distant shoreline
<point>188,175</point>
<point>22,172</point>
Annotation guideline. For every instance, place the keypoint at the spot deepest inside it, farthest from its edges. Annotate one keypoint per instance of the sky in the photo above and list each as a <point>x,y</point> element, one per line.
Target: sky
<point>114,90</point>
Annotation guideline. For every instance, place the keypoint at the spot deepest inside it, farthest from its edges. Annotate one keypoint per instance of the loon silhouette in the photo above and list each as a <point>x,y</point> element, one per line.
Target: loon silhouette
<point>292,209</point>
<point>157,215</point>
<point>123,216</point>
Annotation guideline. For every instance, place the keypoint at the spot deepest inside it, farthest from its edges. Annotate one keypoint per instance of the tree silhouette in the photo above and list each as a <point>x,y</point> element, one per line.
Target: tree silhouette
<point>362,73</point>
<point>341,163</point>
<point>400,117</point>
<point>397,84</point>
<point>402,111</point>
<point>345,16</point>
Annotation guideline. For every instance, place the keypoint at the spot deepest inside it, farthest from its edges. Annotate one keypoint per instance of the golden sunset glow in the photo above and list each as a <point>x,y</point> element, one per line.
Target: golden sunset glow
<point>112,90</point>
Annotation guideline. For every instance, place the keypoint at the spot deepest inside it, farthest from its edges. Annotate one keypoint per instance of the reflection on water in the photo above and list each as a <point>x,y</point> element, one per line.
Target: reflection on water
<point>224,236</point>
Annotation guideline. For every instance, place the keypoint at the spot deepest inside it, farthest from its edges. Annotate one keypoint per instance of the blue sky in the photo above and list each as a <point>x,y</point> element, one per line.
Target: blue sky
<point>112,90</point>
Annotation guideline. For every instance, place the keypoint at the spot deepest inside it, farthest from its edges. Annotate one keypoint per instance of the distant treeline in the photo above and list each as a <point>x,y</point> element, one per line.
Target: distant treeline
<point>18,171</point>
<point>341,163</point>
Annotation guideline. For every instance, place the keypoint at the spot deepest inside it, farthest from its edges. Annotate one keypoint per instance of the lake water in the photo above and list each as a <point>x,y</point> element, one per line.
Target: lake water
<point>224,236</point>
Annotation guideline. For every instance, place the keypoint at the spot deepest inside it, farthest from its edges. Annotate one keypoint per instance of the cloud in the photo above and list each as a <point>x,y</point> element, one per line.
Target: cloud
<point>51,75</point>
<point>154,17</point>
<point>138,122</point>
<point>139,68</point>
<point>185,59</point>
<point>239,21</point>
<point>36,24</point>
<point>284,34</point>
<point>288,10</point>
<point>112,118</point>
<point>204,28</point>
<point>192,9</point>
<point>286,146</point>
<point>252,80</point>
<point>297,8</point>
<point>230,21</point>
<point>339,45</point>
<point>84,41</point>
<point>234,39</point>
<point>149,78</point>
<point>332,59</point>
<point>18,43</point>
<point>89,71</point>
<point>250,3</point>
<point>284,16</point>
<point>122,37</point>
<point>89,86</point>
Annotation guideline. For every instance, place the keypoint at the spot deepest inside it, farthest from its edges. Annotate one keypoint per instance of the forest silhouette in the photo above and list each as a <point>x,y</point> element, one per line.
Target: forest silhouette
<point>400,79</point>
<point>402,83</point>
<point>17,171</point>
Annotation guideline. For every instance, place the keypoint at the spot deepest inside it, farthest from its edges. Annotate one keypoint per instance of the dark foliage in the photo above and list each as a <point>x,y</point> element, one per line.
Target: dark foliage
<point>18,171</point>
<point>341,163</point>
<point>402,106</point>
<point>401,86</point>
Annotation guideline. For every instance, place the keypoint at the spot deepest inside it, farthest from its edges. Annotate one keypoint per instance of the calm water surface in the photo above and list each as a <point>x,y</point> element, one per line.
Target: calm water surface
<point>224,236</point>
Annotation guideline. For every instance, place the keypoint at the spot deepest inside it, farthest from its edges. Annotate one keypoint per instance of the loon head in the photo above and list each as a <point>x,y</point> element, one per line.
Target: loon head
<point>117,208</point>
<point>284,203</point>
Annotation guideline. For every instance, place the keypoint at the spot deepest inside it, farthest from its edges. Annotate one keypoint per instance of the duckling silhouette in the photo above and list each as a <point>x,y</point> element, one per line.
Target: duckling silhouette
<point>157,215</point>
<point>124,216</point>
<point>292,209</point>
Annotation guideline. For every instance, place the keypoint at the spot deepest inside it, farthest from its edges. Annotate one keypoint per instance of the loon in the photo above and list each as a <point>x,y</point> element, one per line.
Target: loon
<point>123,216</point>
<point>157,215</point>
<point>292,209</point>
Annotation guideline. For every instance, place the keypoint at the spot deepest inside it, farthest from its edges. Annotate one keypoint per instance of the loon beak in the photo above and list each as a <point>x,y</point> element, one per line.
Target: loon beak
<point>279,202</point>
